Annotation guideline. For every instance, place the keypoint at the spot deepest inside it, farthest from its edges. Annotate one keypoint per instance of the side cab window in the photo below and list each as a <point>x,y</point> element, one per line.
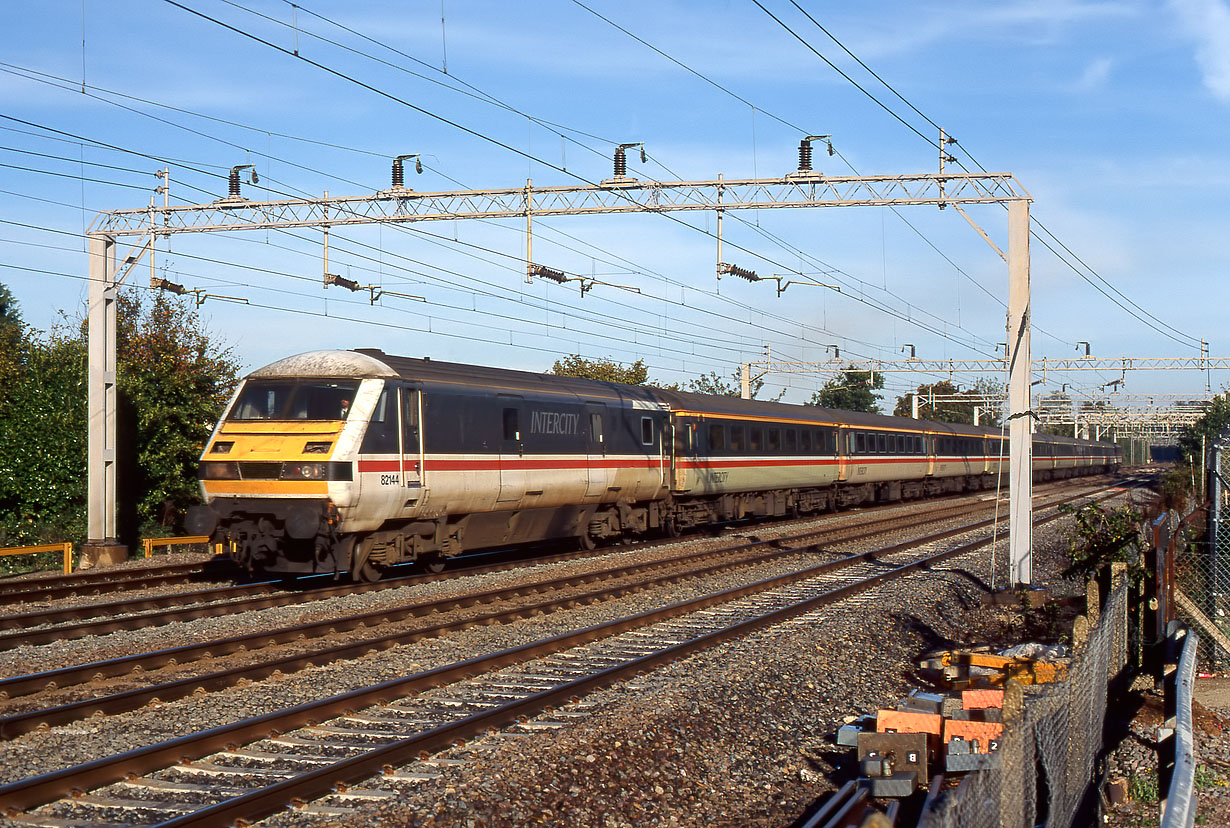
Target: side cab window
<point>381,435</point>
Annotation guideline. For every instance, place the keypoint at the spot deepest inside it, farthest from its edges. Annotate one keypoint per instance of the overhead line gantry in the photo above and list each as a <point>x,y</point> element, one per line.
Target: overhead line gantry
<point>622,194</point>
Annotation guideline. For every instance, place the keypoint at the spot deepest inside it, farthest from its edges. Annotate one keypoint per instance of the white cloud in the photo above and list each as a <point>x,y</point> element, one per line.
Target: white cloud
<point>1095,75</point>
<point>1207,22</point>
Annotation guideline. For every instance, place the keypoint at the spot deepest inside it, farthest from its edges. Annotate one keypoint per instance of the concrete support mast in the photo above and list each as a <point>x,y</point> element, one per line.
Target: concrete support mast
<point>102,538</point>
<point>1020,418</point>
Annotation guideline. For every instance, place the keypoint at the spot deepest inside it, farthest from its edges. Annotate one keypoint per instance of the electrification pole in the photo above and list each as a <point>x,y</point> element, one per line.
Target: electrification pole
<point>1020,417</point>
<point>102,535</point>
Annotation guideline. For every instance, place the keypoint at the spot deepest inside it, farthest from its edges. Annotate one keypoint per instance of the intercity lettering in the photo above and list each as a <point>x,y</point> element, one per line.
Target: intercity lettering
<point>553,422</point>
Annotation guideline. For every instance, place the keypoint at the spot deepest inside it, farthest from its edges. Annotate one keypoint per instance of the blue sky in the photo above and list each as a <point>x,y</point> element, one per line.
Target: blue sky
<point>1112,114</point>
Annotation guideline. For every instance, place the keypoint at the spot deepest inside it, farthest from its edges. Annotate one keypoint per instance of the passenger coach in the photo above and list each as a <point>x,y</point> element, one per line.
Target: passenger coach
<point>336,461</point>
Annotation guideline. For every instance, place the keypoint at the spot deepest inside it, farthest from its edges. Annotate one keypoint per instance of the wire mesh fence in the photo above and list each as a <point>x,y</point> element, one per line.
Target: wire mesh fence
<point>1202,570</point>
<point>1052,742</point>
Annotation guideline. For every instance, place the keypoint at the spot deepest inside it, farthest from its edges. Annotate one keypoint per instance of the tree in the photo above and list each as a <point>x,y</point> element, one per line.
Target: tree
<point>607,370</point>
<point>173,383</point>
<point>1057,403</point>
<point>851,391</point>
<point>172,380</point>
<point>11,329</point>
<point>43,440</point>
<point>960,410</point>
<point>714,384</point>
<point>1201,433</point>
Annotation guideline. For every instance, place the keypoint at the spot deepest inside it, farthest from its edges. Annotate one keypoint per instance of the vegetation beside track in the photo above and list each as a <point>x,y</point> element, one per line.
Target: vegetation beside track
<point>173,380</point>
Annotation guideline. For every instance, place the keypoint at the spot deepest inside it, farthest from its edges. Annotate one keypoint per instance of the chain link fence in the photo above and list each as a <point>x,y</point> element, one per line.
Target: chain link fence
<point>1202,570</point>
<point>1052,742</point>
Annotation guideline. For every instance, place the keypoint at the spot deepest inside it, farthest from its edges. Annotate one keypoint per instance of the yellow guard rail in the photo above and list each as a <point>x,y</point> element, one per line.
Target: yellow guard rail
<point>65,548</point>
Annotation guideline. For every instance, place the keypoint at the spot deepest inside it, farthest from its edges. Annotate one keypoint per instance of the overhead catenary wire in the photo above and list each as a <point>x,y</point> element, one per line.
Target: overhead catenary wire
<point>635,329</point>
<point>448,121</point>
<point>800,129</point>
<point>218,174</point>
<point>233,122</point>
<point>792,321</point>
<point>1139,313</point>
<point>116,148</point>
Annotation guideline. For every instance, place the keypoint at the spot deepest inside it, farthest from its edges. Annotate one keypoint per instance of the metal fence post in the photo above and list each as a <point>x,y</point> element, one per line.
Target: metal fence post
<point>1119,654</point>
<point>1012,763</point>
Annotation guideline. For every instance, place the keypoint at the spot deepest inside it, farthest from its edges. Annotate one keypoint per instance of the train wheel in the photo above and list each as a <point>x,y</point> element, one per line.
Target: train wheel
<point>670,526</point>
<point>361,566</point>
<point>584,542</point>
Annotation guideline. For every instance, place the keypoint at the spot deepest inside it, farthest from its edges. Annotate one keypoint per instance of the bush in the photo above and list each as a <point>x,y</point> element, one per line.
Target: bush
<point>1101,536</point>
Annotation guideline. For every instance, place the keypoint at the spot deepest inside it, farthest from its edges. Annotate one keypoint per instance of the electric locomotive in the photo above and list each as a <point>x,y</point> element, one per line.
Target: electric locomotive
<point>350,461</point>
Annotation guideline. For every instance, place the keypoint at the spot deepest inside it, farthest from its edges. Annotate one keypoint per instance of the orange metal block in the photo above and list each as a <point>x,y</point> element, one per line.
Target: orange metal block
<point>904,721</point>
<point>981,699</point>
<point>983,732</point>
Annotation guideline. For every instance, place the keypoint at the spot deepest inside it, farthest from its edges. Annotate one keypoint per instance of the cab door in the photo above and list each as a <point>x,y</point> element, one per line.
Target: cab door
<point>512,449</point>
<point>600,474</point>
<point>412,455</point>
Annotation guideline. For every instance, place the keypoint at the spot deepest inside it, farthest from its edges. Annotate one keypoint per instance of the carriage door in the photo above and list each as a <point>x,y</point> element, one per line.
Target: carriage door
<point>512,448</point>
<point>601,475</point>
<point>683,454</point>
<point>842,452</point>
<point>411,445</point>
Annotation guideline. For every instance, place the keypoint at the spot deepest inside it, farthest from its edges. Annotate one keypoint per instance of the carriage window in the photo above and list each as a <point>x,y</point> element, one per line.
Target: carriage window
<point>791,440</point>
<point>880,443</point>
<point>647,431</point>
<point>860,442</point>
<point>410,421</point>
<point>512,431</point>
<point>756,439</point>
<point>804,441</point>
<point>736,438</point>
<point>775,439</point>
<point>683,438</point>
<point>595,428</point>
<point>717,437</point>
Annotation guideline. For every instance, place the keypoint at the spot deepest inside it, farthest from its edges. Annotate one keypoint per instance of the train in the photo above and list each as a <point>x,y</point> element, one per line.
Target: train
<point>349,462</point>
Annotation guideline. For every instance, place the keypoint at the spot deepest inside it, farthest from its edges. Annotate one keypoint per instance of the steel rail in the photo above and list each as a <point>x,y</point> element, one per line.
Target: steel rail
<point>17,686</point>
<point>28,721</point>
<point>320,781</point>
<point>100,582</point>
<point>25,794</point>
<point>267,595</point>
<point>217,595</point>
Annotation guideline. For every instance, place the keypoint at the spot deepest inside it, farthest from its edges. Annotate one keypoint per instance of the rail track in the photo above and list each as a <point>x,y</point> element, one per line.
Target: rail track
<point>103,581</point>
<point>636,577</point>
<point>47,625</point>
<point>44,588</point>
<point>352,736</point>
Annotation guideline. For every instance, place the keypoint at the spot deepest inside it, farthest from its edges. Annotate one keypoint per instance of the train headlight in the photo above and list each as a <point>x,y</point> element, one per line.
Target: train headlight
<point>305,471</point>
<point>218,471</point>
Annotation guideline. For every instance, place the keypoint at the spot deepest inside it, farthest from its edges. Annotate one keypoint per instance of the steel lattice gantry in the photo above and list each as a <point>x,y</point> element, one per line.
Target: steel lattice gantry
<point>618,195</point>
<point>950,366</point>
<point>615,196</point>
